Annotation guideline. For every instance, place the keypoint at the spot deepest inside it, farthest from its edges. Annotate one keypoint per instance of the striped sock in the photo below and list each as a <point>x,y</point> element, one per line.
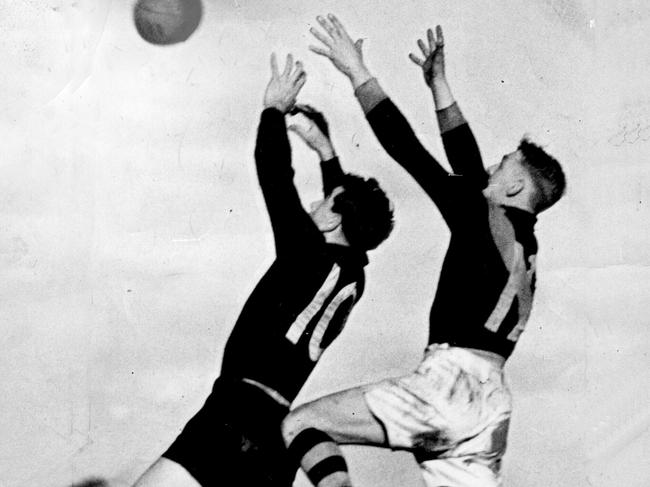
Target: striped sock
<point>320,457</point>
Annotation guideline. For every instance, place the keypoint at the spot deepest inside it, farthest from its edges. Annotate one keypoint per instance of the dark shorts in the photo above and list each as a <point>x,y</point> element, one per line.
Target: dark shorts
<point>235,439</point>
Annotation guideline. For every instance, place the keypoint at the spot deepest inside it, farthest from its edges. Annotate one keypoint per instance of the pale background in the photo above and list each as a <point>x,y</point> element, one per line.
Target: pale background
<point>132,228</point>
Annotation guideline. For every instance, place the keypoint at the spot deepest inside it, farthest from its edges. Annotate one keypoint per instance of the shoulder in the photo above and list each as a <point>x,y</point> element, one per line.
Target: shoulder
<point>471,209</point>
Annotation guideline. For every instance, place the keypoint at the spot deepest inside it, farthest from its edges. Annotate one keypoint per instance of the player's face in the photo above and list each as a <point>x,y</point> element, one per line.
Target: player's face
<point>321,211</point>
<point>503,177</point>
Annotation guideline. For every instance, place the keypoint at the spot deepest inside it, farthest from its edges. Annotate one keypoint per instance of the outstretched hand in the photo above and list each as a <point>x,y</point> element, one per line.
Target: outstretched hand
<point>313,130</point>
<point>345,54</point>
<point>433,65</point>
<point>283,88</point>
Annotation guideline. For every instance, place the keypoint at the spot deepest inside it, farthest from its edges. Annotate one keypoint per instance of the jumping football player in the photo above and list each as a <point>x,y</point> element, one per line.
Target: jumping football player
<point>299,306</point>
<point>453,411</point>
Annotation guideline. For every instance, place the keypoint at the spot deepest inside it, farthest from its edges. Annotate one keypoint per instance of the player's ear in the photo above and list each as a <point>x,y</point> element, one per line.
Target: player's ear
<point>515,187</point>
<point>332,222</point>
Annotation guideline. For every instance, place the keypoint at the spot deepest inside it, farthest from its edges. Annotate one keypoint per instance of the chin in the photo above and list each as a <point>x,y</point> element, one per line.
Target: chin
<point>493,197</point>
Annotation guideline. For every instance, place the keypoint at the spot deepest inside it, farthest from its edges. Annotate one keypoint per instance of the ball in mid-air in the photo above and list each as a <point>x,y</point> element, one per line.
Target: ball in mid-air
<point>167,21</point>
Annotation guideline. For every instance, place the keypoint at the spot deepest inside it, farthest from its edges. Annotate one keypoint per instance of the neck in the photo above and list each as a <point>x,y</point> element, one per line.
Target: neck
<point>516,201</point>
<point>336,237</point>
<point>519,205</point>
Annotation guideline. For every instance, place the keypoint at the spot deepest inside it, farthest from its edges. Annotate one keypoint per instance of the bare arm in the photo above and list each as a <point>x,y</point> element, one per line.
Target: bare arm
<point>433,68</point>
<point>314,131</point>
<point>314,136</point>
<point>460,145</point>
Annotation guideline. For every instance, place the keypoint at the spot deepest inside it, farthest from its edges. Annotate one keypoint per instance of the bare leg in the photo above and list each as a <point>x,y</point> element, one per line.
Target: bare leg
<point>345,418</point>
<point>166,473</point>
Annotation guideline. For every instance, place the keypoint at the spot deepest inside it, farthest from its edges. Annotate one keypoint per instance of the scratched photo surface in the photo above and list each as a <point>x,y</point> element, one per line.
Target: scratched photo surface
<point>132,226</point>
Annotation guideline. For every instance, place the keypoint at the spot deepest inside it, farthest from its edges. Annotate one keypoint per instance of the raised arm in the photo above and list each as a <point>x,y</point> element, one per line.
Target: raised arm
<point>291,224</point>
<point>459,142</point>
<point>314,131</point>
<point>391,128</point>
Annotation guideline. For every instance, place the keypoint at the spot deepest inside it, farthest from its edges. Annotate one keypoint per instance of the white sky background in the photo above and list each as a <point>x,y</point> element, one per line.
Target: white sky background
<point>132,228</point>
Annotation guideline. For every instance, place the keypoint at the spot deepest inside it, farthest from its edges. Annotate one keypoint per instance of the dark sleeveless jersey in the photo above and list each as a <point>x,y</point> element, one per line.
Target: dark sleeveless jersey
<point>486,285</point>
<point>302,302</point>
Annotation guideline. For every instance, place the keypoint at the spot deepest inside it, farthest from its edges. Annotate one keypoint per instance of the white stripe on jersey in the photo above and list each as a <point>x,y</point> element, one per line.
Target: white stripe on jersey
<point>298,326</point>
<point>518,285</point>
<point>315,350</point>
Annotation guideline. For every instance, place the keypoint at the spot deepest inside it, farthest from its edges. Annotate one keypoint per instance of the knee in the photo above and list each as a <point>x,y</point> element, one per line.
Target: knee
<point>300,419</point>
<point>292,425</point>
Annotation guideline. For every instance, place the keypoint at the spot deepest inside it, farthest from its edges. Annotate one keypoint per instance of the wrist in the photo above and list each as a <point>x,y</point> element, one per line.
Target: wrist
<point>442,102</point>
<point>442,96</point>
<point>278,105</point>
<point>359,76</point>
<point>439,81</point>
<point>326,153</point>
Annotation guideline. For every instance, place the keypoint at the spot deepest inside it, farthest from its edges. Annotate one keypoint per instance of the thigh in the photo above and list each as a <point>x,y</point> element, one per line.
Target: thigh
<point>475,462</point>
<point>204,442</point>
<point>166,473</point>
<point>344,416</point>
<point>235,434</point>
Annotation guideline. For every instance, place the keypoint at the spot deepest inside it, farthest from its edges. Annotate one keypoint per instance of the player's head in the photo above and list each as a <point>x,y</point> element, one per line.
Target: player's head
<point>359,209</point>
<point>527,177</point>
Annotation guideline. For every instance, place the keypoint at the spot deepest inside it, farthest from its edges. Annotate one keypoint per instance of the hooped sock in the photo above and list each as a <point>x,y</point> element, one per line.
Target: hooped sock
<point>323,461</point>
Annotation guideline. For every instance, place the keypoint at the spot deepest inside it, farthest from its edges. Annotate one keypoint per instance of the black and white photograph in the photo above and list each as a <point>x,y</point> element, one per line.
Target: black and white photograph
<point>325,243</point>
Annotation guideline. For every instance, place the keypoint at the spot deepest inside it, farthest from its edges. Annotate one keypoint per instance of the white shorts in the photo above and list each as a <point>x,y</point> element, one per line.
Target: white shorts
<point>452,413</point>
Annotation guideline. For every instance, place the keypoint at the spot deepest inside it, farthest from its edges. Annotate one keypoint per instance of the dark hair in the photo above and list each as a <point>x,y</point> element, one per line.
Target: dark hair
<point>314,115</point>
<point>546,173</point>
<point>366,212</point>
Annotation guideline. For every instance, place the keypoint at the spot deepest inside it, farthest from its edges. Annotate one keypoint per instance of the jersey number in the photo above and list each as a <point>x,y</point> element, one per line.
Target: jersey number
<point>519,286</point>
<point>297,328</point>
